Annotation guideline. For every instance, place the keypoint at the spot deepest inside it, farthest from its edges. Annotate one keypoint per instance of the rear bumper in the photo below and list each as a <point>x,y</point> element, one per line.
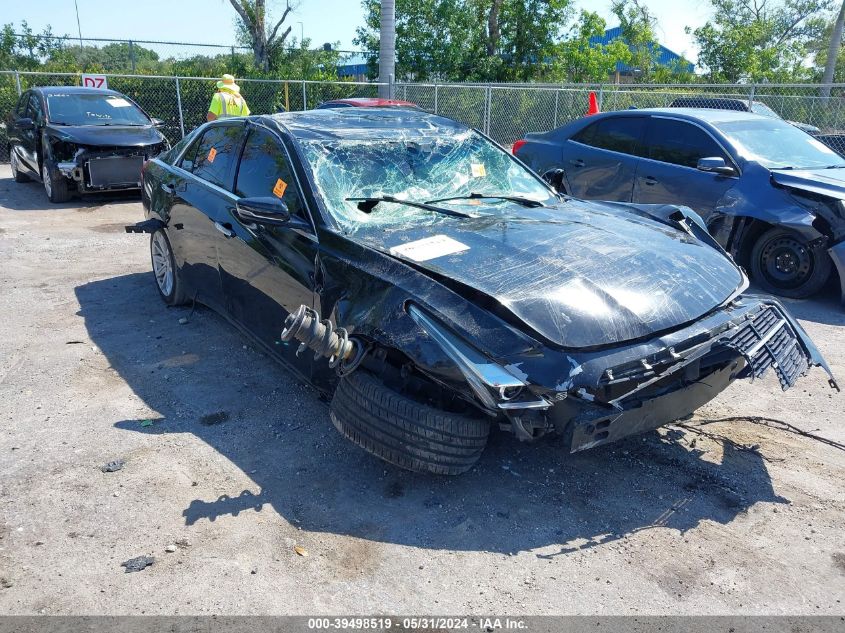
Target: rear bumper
<point>763,336</point>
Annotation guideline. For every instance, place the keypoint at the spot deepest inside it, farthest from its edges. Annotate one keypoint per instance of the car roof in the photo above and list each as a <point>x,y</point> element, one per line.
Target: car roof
<point>362,123</point>
<point>708,115</point>
<point>370,102</point>
<point>75,90</point>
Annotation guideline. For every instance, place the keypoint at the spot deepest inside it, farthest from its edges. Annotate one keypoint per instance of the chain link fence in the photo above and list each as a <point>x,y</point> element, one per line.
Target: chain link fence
<point>504,112</point>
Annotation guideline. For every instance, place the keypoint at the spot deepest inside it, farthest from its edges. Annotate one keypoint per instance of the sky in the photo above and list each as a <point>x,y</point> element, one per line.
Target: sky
<point>212,21</point>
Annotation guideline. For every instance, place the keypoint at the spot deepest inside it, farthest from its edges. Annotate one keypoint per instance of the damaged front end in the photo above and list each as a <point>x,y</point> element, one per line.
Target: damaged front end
<point>95,168</point>
<point>599,397</point>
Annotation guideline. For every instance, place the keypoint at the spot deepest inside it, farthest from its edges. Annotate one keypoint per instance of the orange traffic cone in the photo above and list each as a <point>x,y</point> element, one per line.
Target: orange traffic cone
<point>594,105</point>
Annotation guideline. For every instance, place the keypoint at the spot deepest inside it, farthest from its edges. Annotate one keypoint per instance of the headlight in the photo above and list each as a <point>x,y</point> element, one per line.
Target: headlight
<point>495,386</point>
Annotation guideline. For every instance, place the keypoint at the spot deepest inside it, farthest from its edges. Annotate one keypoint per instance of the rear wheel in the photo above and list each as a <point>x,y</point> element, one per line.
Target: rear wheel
<point>784,263</point>
<point>17,174</point>
<point>55,184</point>
<point>168,280</point>
<point>404,432</point>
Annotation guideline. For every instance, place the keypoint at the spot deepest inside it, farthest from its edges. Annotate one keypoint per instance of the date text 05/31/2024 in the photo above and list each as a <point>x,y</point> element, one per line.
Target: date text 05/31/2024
<point>412,623</point>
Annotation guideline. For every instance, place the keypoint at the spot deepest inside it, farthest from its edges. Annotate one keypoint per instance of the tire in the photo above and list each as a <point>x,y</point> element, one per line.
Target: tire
<point>403,432</point>
<point>169,282</point>
<point>55,185</point>
<point>783,263</point>
<point>17,174</point>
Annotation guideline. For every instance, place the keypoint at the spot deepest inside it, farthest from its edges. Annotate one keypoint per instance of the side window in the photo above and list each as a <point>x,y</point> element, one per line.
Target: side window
<point>215,153</point>
<point>190,155</point>
<point>20,110</point>
<point>680,143</point>
<point>264,171</point>
<point>33,108</point>
<point>618,134</point>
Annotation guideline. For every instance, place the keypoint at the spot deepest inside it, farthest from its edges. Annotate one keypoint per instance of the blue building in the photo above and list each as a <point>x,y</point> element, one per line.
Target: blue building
<point>665,57</point>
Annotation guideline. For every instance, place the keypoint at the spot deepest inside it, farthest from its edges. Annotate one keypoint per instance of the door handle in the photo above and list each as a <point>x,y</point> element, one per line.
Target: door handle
<point>650,181</point>
<point>224,229</point>
<point>577,162</point>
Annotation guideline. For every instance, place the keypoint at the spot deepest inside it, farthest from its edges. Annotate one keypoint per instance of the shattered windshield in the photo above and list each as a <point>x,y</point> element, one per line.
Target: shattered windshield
<point>463,168</point>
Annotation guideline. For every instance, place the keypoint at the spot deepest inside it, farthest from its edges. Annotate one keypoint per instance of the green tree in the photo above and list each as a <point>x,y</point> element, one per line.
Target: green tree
<point>476,40</point>
<point>759,40</point>
<point>578,60</point>
<point>637,25</point>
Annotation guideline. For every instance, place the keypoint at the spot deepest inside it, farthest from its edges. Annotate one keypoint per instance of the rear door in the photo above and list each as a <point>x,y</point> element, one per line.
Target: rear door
<point>199,208</point>
<point>268,271</point>
<point>30,139</point>
<point>601,160</point>
<point>668,173</point>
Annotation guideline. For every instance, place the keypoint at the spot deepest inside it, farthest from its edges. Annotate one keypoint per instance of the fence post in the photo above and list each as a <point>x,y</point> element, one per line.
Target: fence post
<point>18,82</point>
<point>436,95</point>
<point>304,97</point>
<point>489,108</point>
<point>751,96</point>
<point>391,87</point>
<point>132,56</point>
<point>179,105</point>
<point>601,97</point>
<point>557,102</point>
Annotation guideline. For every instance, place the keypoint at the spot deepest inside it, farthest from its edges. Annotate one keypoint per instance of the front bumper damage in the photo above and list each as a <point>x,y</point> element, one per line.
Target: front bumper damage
<point>96,170</point>
<point>605,396</point>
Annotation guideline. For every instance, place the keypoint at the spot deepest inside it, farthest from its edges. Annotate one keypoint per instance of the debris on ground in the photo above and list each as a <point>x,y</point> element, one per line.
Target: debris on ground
<point>138,563</point>
<point>113,466</point>
<point>183,321</point>
<point>183,543</point>
<point>146,422</point>
<point>301,551</point>
<point>218,417</point>
<point>170,549</point>
<point>5,583</point>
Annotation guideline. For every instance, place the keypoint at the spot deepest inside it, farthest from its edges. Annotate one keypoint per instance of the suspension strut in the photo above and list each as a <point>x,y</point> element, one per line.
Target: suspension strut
<point>305,326</point>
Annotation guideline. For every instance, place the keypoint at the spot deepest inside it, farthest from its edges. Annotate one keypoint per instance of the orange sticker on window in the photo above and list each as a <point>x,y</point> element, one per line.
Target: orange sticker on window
<point>212,154</point>
<point>478,170</point>
<point>279,189</point>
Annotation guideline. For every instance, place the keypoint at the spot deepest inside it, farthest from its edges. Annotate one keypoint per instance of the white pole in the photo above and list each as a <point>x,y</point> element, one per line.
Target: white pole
<point>387,47</point>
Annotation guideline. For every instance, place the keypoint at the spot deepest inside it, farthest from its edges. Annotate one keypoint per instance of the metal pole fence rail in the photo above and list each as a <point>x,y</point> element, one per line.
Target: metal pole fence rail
<point>506,112</point>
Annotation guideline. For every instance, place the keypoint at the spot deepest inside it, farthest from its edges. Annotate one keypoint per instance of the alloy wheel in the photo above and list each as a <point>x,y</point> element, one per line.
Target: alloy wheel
<point>45,178</point>
<point>162,263</point>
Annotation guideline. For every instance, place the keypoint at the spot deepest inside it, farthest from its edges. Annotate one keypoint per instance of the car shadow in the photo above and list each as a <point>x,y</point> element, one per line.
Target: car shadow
<point>203,377</point>
<point>30,196</point>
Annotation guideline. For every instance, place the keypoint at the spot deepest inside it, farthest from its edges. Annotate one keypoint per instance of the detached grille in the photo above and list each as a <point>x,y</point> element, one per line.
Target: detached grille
<point>115,171</point>
<point>766,341</point>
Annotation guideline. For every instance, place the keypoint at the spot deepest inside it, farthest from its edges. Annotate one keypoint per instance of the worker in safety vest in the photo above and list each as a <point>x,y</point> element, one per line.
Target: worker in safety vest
<point>227,101</point>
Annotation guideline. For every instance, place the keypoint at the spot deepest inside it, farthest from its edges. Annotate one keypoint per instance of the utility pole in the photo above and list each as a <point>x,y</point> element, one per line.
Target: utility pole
<point>833,51</point>
<point>387,48</point>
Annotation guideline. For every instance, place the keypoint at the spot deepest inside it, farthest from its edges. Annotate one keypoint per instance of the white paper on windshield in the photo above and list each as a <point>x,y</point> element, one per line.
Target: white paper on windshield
<point>117,102</point>
<point>429,248</point>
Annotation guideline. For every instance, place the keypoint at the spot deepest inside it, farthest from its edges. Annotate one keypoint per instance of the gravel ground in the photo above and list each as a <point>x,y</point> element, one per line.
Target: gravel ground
<point>233,464</point>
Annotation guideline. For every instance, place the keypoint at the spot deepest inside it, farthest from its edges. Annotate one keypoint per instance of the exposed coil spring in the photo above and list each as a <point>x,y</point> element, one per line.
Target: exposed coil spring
<point>305,326</point>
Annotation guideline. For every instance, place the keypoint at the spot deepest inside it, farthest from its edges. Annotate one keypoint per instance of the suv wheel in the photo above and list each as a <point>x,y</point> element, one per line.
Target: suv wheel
<point>783,263</point>
<point>168,280</point>
<point>55,184</point>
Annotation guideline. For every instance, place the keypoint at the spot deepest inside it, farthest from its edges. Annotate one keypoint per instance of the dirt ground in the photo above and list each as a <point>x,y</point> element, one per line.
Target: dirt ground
<point>235,463</point>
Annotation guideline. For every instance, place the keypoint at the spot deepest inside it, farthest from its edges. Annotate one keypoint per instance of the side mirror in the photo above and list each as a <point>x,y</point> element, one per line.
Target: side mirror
<point>715,165</point>
<point>25,123</point>
<point>555,178</point>
<point>263,210</point>
<point>157,122</point>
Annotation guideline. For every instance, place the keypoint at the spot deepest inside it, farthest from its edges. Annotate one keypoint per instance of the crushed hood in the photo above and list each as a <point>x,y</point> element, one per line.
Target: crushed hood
<point>579,275</point>
<point>106,135</point>
<point>826,182</point>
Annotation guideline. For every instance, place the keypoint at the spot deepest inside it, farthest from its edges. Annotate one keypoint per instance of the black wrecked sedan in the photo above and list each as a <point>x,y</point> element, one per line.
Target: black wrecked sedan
<point>434,287</point>
<point>772,195</point>
<point>81,140</point>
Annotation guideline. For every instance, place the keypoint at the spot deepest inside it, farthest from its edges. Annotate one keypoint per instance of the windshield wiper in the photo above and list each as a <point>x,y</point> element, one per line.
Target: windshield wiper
<point>525,202</point>
<point>368,204</point>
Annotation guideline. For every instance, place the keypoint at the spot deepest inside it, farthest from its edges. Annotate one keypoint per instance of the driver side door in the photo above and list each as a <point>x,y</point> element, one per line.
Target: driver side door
<point>268,270</point>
